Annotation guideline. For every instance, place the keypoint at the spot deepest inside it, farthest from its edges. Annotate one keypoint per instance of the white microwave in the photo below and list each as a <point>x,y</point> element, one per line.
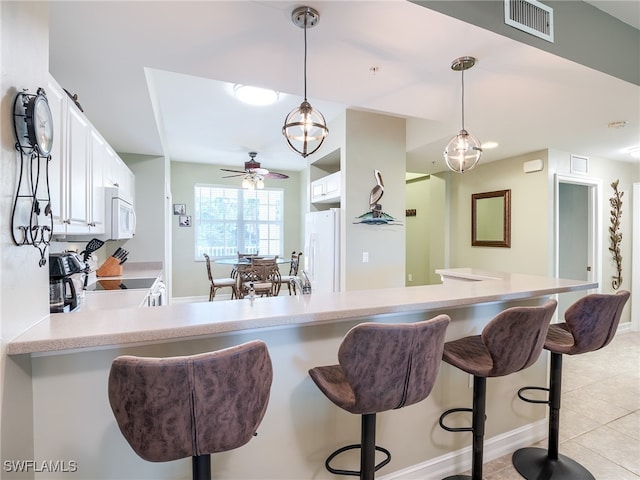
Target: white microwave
<point>120,215</point>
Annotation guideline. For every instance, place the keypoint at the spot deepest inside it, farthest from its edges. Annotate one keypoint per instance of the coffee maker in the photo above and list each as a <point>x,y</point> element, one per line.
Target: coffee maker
<point>63,296</point>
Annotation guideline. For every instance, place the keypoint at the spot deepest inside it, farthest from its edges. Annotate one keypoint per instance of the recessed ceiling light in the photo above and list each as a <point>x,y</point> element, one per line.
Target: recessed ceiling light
<point>490,145</point>
<point>634,151</point>
<point>255,95</point>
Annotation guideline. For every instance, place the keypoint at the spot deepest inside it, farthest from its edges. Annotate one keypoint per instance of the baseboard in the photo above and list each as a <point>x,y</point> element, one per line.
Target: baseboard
<point>460,460</point>
<point>624,327</point>
<point>201,298</point>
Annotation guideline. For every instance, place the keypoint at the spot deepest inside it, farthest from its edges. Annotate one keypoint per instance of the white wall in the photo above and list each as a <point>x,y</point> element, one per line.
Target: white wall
<point>529,217</point>
<point>24,59</point>
<point>417,261</point>
<point>373,141</point>
<point>148,243</point>
<point>532,215</point>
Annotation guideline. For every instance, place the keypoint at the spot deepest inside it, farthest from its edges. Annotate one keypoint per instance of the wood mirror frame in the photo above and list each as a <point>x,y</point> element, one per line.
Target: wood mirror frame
<point>491,219</point>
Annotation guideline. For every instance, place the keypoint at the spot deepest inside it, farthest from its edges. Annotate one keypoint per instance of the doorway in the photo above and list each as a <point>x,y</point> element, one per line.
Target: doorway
<point>577,243</point>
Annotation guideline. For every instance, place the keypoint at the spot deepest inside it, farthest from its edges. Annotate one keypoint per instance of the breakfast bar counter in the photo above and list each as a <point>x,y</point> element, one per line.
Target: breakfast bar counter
<point>69,358</point>
<point>115,328</point>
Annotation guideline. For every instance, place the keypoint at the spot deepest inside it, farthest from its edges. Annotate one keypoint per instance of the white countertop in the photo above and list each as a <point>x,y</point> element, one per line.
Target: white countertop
<point>94,329</point>
<point>111,299</point>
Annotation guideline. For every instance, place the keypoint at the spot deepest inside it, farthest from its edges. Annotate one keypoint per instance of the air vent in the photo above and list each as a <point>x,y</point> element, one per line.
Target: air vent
<point>530,16</point>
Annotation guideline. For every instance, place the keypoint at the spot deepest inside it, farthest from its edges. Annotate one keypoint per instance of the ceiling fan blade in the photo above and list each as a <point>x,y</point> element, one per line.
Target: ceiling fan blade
<point>237,175</point>
<point>277,175</point>
<point>234,171</point>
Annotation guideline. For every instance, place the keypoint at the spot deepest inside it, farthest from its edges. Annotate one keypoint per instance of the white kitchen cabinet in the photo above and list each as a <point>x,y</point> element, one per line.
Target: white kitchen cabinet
<point>57,99</point>
<point>69,168</point>
<point>118,174</point>
<point>326,189</point>
<point>77,171</point>
<point>98,158</point>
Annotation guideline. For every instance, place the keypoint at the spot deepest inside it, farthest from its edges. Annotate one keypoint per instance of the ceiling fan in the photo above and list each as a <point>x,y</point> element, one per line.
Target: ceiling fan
<point>254,174</point>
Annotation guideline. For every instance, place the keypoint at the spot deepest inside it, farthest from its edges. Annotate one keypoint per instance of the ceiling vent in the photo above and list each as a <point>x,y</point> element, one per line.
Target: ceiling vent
<point>530,16</point>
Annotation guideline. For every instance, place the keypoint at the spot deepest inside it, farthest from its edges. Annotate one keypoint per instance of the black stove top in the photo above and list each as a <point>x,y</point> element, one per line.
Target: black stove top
<point>123,284</point>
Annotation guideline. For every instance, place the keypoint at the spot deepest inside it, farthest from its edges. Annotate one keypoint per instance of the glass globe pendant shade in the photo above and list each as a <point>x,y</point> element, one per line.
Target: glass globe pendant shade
<point>463,152</point>
<point>260,183</point>
<point>305,129</point>
<point>247,183</point>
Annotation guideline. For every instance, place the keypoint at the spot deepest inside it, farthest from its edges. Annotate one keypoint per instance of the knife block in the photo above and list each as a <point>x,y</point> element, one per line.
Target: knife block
<point>110,268</point>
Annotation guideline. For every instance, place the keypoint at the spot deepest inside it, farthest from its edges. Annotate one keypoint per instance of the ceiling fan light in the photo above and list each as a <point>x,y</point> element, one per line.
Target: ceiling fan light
<point>463,152</point>
<point>247,184</point>
<point>260,184</point>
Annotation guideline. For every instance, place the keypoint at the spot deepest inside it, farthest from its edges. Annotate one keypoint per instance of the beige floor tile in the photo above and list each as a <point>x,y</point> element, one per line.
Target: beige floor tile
<point>600,466</point>
<point>574,423</point>
<point>614,446</point>
<point>602,411</point>
<point>629,425</point>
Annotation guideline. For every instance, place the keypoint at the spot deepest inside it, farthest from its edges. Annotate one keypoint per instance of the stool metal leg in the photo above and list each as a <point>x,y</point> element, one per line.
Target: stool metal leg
<point>538,464</point>
<point>477,422</point>
<point>201,467</point>
<point>368,450</point>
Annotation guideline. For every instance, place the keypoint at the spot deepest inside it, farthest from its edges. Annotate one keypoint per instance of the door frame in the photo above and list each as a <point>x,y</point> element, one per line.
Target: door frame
<point>594,244</point>
<point>635,257</point>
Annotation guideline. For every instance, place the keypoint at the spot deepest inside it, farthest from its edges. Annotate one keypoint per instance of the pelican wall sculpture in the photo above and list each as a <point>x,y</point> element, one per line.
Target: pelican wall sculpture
<point>375,215</point>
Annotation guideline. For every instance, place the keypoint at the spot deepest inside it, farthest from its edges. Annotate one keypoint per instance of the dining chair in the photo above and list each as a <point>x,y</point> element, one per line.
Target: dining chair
<point>293,272</point>
<point>217,283</point>
<point>248,255</point>
<point>269,271</point>
<point>262,276</point>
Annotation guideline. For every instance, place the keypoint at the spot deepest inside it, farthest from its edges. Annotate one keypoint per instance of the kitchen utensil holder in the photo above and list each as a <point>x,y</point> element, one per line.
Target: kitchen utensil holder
<point>110,268</point>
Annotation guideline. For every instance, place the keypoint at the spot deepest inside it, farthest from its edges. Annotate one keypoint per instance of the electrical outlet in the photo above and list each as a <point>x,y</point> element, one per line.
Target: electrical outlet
<point>410,277</point>
<point>365,257</point>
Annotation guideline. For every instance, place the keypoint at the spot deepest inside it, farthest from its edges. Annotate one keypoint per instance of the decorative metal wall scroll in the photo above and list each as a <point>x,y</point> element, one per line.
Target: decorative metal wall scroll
<point>31,216</point>
<point>615,235</point>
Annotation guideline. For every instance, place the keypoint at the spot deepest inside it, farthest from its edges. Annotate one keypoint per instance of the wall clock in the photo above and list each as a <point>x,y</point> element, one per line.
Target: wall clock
<point>31,224</point>
<point>39,122</point>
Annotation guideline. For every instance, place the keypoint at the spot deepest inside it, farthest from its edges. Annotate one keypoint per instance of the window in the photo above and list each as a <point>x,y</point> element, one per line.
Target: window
<point>229,220</point>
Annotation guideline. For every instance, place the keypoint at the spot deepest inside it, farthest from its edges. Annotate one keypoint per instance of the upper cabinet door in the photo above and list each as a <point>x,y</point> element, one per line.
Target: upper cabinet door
<point>57,167</point>
<point>79,172</point>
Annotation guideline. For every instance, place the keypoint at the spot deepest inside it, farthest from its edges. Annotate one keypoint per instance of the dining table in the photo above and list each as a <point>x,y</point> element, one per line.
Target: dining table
<point>247,260</point>
<point>242,263</point>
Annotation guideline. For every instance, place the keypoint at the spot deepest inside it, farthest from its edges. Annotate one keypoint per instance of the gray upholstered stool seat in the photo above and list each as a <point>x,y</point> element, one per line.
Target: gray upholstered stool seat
<point>590,324</point>
<point>510,342</point>
<point>381,367</point>
<point>191,406</point>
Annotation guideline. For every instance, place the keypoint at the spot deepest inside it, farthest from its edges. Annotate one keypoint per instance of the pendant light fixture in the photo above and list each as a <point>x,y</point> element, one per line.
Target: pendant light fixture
<point>305,128</point>
<point>463,151</point>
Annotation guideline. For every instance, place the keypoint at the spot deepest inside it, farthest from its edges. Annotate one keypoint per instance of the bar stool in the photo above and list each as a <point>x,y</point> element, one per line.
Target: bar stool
<point>191,406</point>
<point>590,324</point>
<point>510,342</point>
<point>381,367</point>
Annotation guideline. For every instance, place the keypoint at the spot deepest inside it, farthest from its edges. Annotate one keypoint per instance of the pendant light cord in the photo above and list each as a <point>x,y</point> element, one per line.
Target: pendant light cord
<point>463,97</point>
<point>305,57</point>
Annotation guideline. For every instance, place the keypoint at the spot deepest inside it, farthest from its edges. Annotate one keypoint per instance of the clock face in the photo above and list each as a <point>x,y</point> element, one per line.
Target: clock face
<point>40,124</point>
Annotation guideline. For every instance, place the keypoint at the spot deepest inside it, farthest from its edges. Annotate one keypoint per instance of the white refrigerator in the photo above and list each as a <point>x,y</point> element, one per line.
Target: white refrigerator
<point>322,250</point>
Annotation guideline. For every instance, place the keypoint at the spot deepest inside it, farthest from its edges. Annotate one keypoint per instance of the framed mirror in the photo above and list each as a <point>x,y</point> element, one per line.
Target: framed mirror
<point>491,219</point>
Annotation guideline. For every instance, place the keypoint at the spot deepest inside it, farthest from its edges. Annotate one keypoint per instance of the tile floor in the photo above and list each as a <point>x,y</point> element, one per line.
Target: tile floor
<point>599,415</point>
